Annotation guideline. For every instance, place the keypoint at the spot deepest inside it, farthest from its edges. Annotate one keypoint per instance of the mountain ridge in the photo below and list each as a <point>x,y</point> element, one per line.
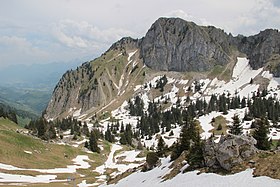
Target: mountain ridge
<point>170,45</point>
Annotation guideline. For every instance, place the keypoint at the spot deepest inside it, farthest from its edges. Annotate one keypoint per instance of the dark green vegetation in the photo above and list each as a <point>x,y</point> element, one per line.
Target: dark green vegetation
<point>235,128</point>
<point>6,112</point>
<point>151,160</point>
<point>189,141</point>
<point>260,134</point>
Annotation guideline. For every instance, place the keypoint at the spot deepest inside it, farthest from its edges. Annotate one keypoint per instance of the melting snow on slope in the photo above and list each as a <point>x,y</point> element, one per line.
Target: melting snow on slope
<point>79,162</point>
<point>77,113</point>
<point>130,156</point>
<point>153,178</point>
<point>205,122</point>
<point>111,162</point>
<point>273,86</point>
<point>242,74</point>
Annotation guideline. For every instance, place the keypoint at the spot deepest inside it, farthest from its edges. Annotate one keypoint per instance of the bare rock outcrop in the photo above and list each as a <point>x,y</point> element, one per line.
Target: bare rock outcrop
<point>173,44</point>
<point>229,152</point>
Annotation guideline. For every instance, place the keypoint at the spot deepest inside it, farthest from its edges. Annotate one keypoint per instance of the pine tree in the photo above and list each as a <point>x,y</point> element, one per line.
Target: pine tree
<point>52,132</point>
<point>85,129</point>
<point>122,128</point>
<point>243,102</point>
<point>123,139</point>
<point>260,134</point>
<point>195,157</point>
<point>184,139</point>
<point>235,128</point>
<point>93,146</point>
<point>108,136</point>
<point>188,133</point>
<point>161,147</point>
<point>86,144</point>
<point>219,127</point>
<point>41,127</point>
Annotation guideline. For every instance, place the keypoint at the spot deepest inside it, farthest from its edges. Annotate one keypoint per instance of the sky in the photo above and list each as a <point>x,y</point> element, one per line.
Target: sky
<point>46,31</point>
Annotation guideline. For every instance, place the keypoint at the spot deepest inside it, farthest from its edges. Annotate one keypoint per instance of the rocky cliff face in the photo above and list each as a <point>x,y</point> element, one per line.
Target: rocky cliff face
<point>260,48</point>
<point>95,84</point>
<point>173,44</point>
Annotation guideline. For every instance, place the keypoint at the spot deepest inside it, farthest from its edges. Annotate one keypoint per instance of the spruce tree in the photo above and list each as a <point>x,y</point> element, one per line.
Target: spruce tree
<point>108,136</point>
<point>184,139</point>
<point>123,139</point>
<point>235,128</point>
<point>86,144</point>
<point>85,129</point>
<point>93,146</point>
<point>260,134</point>
<point>161,147</point>
<point>195,157</point>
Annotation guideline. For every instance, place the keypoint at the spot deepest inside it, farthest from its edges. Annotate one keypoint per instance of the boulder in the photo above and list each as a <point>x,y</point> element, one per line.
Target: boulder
<point>229,152</point>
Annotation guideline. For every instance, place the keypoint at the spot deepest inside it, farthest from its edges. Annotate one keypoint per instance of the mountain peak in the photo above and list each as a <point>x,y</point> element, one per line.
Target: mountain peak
<point>177,45</point>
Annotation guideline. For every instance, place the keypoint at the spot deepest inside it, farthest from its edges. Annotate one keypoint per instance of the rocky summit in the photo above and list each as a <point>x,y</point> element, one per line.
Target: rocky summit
<point>171,44</point>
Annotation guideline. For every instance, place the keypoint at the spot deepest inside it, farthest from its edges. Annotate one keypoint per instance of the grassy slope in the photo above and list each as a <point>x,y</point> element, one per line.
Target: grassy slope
<point>45,155</point>
<point>13,145</point>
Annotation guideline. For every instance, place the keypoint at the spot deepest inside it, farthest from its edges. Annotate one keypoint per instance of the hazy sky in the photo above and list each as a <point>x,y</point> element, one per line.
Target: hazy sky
<point>43,31</point>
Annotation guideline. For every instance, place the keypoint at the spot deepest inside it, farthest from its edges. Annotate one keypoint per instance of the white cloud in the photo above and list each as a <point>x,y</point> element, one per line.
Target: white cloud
<point>18,49</point>
<point>84,35</point>
<point>47,31</point>
<point>262,15</point>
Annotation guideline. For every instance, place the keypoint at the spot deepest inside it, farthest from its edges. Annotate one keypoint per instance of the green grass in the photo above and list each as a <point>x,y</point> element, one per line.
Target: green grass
<point>216,71</point>
<point>220,72</point>
<point>45,155</point>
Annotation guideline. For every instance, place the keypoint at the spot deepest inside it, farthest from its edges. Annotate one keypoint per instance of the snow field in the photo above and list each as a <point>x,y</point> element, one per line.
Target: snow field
<point>154,178</point>
<point>79,163</point>
<point>242,74</point>
<point>111,162</point>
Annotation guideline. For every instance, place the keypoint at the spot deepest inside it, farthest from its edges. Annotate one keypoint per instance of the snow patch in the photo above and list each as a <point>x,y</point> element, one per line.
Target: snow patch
<point>28,152</point>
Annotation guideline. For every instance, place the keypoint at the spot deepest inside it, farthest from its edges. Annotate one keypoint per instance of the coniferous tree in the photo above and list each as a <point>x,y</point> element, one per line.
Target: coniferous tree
<point>86,144</point>
<point>123,139</point>
<point>85,129</point>
<point>93,146</point>
<point>122,128</point>
<point>236,127</point>
<point>188,135</point>
<point>260,134</point>
<point>41,128</point>
<point>108,135</point>
<point>128,134</point>
<point>161,147</point>
<point>51,132</point>
<point>195,157</point>
<point>243,102</point>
